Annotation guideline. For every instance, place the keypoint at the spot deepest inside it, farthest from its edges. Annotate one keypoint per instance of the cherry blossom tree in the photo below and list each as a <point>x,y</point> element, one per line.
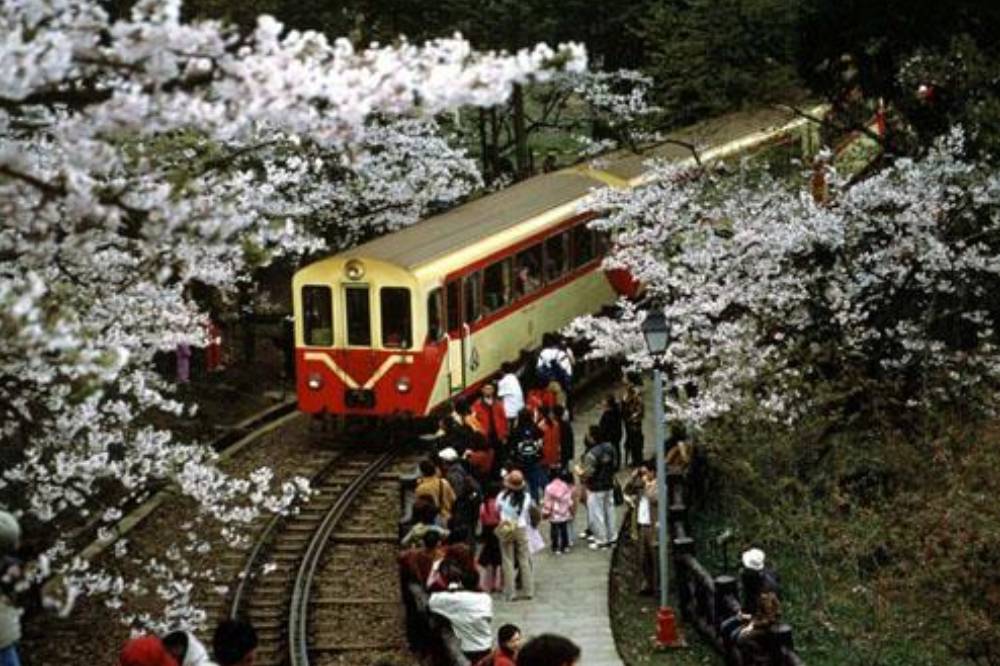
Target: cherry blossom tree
<point>889,284</point>
<point>145,154</point>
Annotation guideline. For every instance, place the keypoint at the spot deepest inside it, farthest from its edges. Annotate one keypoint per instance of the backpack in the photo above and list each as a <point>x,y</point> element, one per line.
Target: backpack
<point>529,450</point>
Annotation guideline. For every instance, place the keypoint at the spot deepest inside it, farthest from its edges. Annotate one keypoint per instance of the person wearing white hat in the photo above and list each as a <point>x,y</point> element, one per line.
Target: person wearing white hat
<point>756,578</point>
<point>10,615</point>
<point>515,503</point>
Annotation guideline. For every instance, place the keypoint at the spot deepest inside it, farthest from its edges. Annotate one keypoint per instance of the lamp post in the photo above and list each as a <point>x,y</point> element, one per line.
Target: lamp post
<point>656,331</point>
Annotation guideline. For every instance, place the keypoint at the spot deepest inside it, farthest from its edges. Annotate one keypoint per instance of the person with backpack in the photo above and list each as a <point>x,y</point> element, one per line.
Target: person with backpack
<point>468,492</point>
<point>554,364</point>
<point>489,556</point>
<point>526,439</point>
<point>598,474</point>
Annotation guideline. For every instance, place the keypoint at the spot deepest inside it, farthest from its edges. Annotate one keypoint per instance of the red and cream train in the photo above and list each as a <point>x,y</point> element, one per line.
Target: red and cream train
<point>405,323</point>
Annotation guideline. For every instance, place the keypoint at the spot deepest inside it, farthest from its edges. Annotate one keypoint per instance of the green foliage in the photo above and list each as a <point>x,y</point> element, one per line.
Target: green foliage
<point>888,541</point>
<point>856,51</point>
<point>711,56</point>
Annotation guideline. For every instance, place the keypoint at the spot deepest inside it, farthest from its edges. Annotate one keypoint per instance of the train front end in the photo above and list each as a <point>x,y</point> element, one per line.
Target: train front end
<point>357,327</point>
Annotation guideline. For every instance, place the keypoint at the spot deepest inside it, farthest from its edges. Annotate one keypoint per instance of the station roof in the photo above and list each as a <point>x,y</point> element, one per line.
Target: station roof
<point>460,227</point>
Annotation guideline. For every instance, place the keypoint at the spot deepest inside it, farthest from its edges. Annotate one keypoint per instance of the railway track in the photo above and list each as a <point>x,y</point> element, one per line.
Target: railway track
<point>319,586</point>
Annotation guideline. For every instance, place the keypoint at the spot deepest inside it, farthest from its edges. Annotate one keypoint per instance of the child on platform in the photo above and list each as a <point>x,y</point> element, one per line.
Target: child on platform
<point>558,507</point>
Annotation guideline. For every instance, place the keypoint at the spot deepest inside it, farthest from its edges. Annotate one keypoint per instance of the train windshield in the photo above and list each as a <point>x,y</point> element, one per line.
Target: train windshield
<point>317,316</point>
<point>359,317</point>
<point>397,324</point>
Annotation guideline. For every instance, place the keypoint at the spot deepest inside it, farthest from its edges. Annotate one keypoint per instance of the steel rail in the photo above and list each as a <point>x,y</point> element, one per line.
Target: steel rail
<point>246,576</point>
<point>298,613</point>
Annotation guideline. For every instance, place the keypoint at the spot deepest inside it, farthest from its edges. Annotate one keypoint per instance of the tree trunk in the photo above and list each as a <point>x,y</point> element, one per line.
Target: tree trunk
<point>484,150</point>
<point>520,135</point>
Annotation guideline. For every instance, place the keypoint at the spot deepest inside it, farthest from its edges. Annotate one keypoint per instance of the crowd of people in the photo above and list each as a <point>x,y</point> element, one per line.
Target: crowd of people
<point>503,464</point>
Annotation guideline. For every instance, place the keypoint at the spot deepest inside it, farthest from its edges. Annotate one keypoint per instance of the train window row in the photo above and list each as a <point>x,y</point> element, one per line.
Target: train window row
<point>463,301</point>
<point>507,280</point>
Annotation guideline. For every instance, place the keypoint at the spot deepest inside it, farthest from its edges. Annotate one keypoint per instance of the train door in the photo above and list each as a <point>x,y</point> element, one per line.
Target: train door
<point>472,302</point>
<point>456,356</point>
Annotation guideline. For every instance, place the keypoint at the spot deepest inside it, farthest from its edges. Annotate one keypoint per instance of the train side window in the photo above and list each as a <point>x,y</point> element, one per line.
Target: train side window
<point>397,320</point>
<point>496,286</point>
<point>317,316</point>
<point>556,256</point>
<point>527,270</point>
<point>583,245</point>
<point>471,297</point>
<point>359,317</point>
<point>435,316</point>
<point>454,306</point>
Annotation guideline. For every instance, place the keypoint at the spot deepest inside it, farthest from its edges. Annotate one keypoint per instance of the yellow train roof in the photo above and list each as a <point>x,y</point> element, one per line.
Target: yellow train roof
<point>463,229</point>
<point>441,235</point>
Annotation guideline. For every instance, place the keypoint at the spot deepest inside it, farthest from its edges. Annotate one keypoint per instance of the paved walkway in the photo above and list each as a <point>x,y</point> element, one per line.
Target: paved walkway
<point>571,591</point>
<point>571,599</point>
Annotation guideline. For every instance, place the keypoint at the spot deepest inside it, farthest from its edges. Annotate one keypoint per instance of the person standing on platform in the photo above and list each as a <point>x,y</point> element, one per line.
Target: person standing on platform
<point>641,491</point>
<point>439,491</point>
<point>468,492</point>
<point>515,505</point>
<point>490,413</point>
<point>633,412</point>
<point>526,441</point>
<point>598,473</point>
<point>554,364</point>
<point>611,427</point>
<point>557,507</point>
<point>510,393</point>
<point>567,445</point>
<point>551,437</point>
<point>490,559</point>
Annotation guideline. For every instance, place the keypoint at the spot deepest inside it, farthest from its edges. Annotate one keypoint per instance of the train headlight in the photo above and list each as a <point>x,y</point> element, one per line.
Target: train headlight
<point>354,269</point>
<point>403,385</point>
<point>314,381</point>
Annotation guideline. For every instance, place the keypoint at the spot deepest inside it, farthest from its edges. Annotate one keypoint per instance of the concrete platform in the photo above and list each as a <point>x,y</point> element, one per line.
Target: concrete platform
<point>571,590</point>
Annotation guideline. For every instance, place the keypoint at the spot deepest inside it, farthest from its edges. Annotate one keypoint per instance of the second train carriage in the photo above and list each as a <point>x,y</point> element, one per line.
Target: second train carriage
<point>404,323</point>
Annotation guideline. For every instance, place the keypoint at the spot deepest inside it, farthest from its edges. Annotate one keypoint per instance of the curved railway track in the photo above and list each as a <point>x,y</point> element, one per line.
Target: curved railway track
<point>303,583</point>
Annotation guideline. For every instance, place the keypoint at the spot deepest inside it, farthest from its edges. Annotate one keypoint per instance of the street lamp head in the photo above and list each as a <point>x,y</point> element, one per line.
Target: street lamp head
<point>656,331</point>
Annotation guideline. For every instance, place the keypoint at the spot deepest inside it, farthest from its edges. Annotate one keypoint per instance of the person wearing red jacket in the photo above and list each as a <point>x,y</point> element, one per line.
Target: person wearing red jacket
<point>551,437</point>
<point>508,643</point>
<point>490,413</point>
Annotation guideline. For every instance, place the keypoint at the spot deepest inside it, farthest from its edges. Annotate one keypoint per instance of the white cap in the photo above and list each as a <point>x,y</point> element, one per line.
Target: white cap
<point>754,559</point>
<point>448,455</point>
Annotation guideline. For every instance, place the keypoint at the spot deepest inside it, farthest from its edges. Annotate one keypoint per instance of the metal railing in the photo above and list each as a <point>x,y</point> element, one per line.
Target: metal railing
<point>706,601</point>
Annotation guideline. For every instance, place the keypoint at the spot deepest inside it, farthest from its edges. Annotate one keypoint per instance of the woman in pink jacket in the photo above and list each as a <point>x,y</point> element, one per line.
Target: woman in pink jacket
<point>558,507</point>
